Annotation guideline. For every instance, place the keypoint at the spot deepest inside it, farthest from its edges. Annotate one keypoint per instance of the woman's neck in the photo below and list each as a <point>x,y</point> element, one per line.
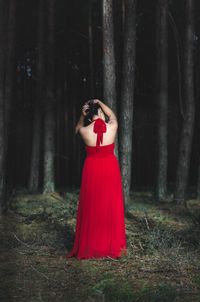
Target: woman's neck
<point>97,117</point>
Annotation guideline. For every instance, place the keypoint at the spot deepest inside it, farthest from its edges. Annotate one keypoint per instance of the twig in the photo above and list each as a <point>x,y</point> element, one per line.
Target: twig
<point>45,276</point>
<point>56,196</point>
<point>141,246</point>
<point>24,243</point>
<point>146,221</point>
<point>112,258</point>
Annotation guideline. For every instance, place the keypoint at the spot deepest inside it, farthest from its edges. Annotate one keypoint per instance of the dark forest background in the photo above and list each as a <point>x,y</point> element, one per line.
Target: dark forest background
<point>55,55</point>
<point>142,59</point>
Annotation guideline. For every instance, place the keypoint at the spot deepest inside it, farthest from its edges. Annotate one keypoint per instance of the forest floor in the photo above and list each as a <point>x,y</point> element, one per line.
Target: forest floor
<point>162,265</point>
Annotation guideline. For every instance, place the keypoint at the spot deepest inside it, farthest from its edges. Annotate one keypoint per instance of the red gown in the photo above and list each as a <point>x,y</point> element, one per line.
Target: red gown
<point>100,225</point>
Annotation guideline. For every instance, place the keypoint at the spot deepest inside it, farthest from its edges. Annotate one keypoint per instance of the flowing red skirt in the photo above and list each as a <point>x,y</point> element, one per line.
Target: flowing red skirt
<point>100,225</point>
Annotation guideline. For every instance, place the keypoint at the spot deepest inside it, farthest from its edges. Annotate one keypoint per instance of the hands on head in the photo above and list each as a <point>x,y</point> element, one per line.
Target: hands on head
<point>86,106</point>
<point>106,110</point>
<point>96,101</point>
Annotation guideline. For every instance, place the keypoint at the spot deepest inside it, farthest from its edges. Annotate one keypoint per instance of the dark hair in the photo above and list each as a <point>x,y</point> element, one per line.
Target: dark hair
<point>93,110</point>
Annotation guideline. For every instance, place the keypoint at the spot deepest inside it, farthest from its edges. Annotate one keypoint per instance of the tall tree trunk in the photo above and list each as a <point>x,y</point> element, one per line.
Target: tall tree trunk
<point>49,107</point>
<point>126,117</point>
<point>198,179</point>
<point>37,119</point>
<point>3,205</point>
<point>188,121</point>
<point>123,12</point>
<point>162,69</point>
<point>10,55</point>
<point>197,94</point>
<point>6,92</point>
<point>109,73</point>
<point>91,57</point>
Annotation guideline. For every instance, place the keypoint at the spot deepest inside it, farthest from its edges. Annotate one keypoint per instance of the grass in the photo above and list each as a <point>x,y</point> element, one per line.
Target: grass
<point>110,289</point>
<point>163,262</point>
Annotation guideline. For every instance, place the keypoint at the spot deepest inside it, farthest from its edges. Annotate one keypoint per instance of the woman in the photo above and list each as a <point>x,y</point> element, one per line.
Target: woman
<point>100,226</point>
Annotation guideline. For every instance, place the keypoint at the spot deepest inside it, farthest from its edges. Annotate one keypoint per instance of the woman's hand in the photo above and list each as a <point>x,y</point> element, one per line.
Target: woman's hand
<point>97,101</point>
<point>84,109</point>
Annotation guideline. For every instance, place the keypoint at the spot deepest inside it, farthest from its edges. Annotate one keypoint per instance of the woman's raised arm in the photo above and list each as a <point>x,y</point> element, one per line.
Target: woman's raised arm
<point>81,120</point>
<point>108,111</point>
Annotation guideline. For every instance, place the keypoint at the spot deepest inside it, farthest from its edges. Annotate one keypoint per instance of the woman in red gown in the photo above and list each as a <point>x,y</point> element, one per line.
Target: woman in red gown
<point>100,225</point>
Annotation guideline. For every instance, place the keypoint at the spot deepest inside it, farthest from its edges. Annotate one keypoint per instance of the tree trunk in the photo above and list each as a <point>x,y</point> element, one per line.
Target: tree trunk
<point>109,74</point>
<point>91,57</point>
<point>6,79</point>
<point>198,180</point>
<point>37,119</point>
<point>3,205</point>
<point>188,121</point>
<point>197,95</point>
<point>10,55</point>
<point>126,117</point>
<point>49,107</point>
<point>162,69</point>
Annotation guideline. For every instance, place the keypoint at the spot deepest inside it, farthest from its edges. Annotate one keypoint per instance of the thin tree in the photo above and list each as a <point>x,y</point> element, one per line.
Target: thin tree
<point>49,106</point>
<point>198,180</point>
<point>197,79</point>
<point>2,112</point>
<point>188,120</point>
<point>109,73</point>
<point>162,97</point>
<point>10,56</point>
<point>6,87</point>
<point>91,55</point>
<point>37,119</point>
<point>127,95</point>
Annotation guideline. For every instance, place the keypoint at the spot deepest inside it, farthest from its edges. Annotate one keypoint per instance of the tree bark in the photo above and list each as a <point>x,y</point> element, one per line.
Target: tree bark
<point>6,89</point>
<point>10,55</point>
<point>37,119</point>
<point>91,56</point>
<point>188,121</point>
<point>49,114</point>
<point>198,180</point>
<point>197,94</point>
<point>162,97</point>
<point>127,96</point>
<point>109,73</point>
<point>3,204</point>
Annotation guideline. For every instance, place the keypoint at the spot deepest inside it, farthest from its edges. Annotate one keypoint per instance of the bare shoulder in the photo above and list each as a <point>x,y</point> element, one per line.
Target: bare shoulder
<point>82,130</point>
<point>85,130</point>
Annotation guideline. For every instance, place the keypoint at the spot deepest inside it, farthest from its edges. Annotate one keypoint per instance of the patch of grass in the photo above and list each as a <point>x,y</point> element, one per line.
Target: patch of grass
<point>162,240</point>
<point>163,292</point>
<point>111,289</point>
<point>196,280</point>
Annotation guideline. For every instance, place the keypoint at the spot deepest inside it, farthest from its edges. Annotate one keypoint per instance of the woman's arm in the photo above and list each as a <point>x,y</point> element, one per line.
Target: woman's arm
<point>80,123</point>
<point>107,110</point>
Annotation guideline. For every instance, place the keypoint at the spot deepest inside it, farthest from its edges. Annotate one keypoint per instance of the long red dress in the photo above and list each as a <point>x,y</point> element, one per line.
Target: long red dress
<point>100,226</point>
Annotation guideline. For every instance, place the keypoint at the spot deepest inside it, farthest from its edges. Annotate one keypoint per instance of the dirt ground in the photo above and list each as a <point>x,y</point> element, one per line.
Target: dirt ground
<point>163,261</point>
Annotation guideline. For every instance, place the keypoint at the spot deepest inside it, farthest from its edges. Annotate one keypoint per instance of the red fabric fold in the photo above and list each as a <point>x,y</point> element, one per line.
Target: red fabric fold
<point>99,128</point>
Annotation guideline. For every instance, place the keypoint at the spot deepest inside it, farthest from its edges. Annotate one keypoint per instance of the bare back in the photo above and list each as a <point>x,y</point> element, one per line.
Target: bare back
<point>89,137</point>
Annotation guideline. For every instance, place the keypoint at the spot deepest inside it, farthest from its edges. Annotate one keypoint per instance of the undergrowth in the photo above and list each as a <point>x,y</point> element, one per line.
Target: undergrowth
<point>162,264</point>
